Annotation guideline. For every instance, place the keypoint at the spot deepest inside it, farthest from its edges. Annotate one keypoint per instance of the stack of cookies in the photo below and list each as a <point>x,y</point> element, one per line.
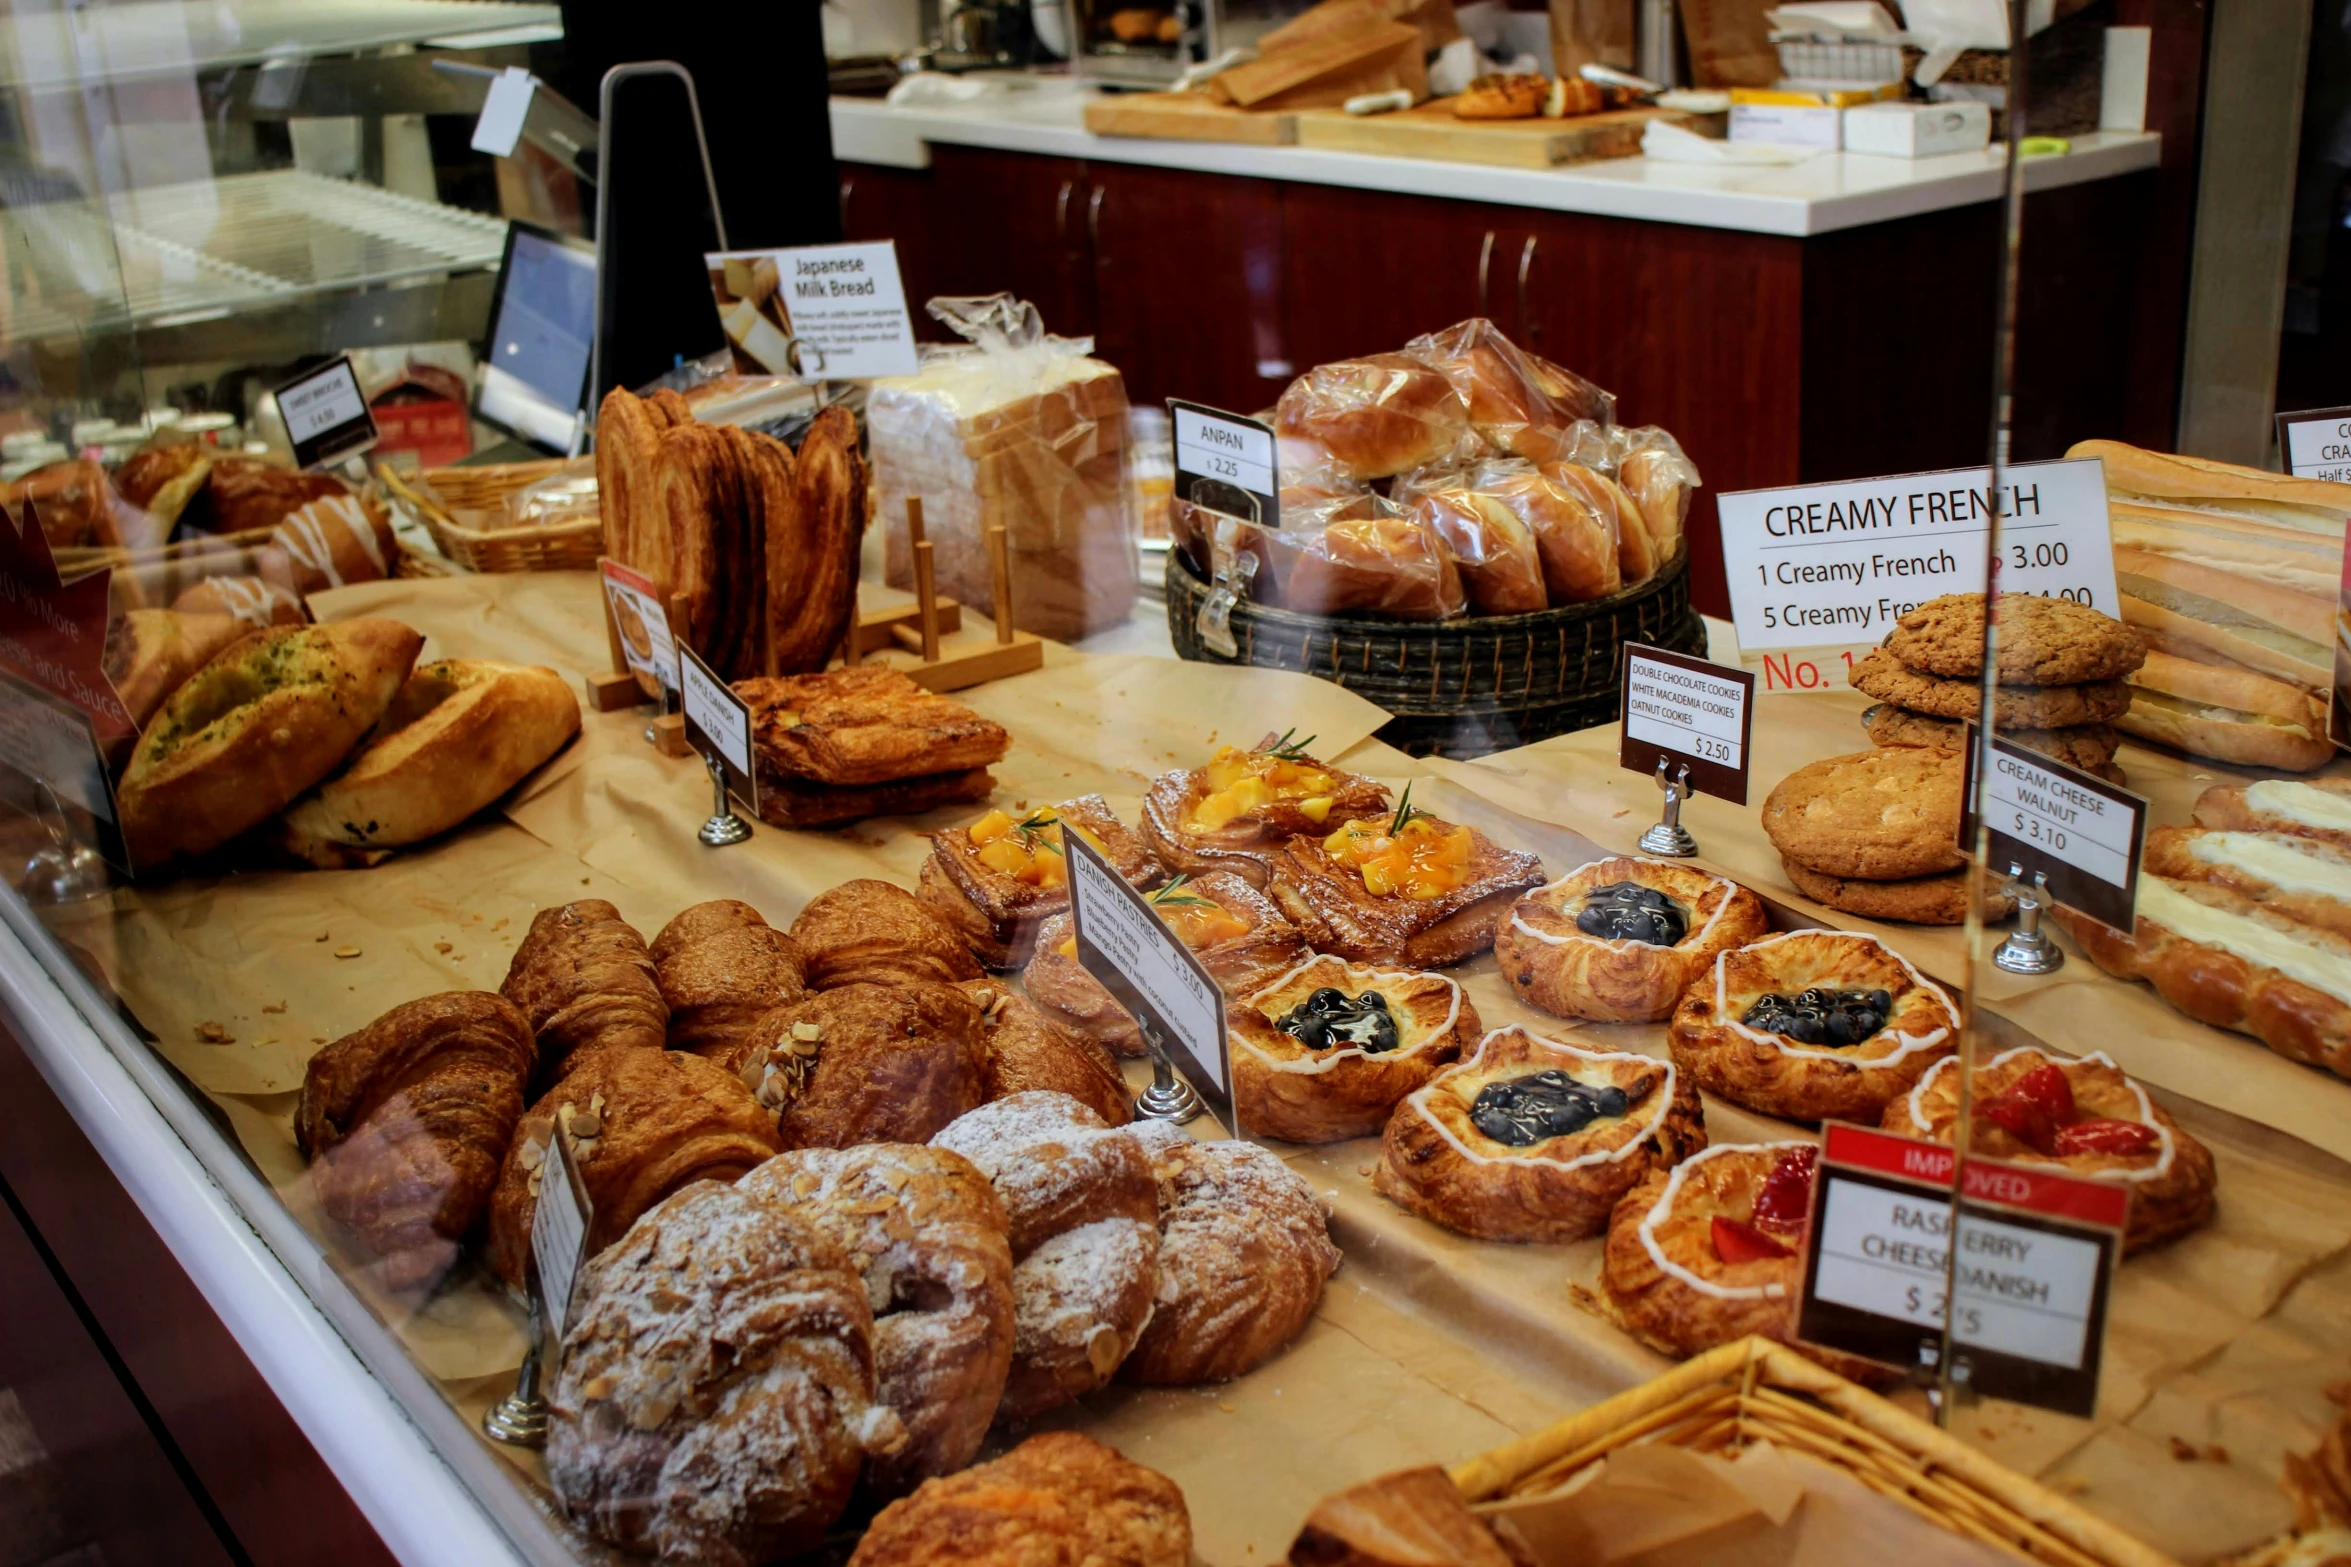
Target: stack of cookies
<point>865,741</point>
<point>1876,834</point>
<point>2060,668</point>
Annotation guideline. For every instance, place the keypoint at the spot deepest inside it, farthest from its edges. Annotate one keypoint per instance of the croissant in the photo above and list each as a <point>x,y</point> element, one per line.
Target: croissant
<point>406,1121</point>
<point>641,1124</point>
<point>812,564</point>
<point>722,967</point>
<point>868,932</point>
<point>583,978</point>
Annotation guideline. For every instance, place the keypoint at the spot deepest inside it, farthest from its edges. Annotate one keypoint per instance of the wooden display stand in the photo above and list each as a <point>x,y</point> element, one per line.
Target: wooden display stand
<point>927,638</point>
<point>619,690</point>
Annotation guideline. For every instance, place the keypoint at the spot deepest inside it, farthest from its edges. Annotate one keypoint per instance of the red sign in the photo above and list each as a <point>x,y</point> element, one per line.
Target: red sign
<point>53,633</point>
<point>2029,1188</point>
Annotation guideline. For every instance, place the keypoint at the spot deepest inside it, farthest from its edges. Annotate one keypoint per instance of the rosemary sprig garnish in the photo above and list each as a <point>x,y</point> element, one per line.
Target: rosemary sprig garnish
<point>1031,832</point>
<point>1288,750</point>
<point>1405,812</point>
<point>1169,897</point>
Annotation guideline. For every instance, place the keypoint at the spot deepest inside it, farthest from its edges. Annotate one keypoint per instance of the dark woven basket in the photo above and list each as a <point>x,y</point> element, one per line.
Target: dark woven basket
<point>1459,687</point>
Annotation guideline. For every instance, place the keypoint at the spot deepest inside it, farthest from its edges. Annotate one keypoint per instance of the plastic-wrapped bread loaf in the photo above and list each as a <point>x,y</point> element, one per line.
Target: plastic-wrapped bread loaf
<point>1021,429</point>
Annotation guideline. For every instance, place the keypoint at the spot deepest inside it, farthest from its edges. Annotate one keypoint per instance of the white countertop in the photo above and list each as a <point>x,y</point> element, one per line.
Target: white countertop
<point>1833,191</point>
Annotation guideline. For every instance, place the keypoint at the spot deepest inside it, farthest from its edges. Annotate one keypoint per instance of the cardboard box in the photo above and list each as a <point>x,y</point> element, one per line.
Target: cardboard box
<point>1785,125</point>
<point>1918,130</point>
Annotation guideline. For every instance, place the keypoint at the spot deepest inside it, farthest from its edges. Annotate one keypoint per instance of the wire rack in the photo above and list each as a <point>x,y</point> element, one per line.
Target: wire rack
<point>176,253</point>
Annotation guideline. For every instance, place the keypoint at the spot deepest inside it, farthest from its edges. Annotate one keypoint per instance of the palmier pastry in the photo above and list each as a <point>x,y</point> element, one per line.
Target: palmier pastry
<point>1323,1051</point>
<point>1380,415</point>
<point>640,1124</point>
<point>584,979</point>
<point>722,968</point>
<point>1236,930</point>
<point>1812,1025</point>
<point>1082,1205</point>
<point>927,1231</point>
<point>1535,1139</point>
<point>1059,1497</point>
<point>1712,1250</point>
<point>407,1120</point>
<point>1236,813</point>
<point>812,564</point>
<point>1029,1052</point>
<point>2083,1116</point>
<point>716,1399</point>
<point>1618,940</point>
<point>1244,1251</point>
<point>1000,878</point>
<point>869,932</point>
<point>1407,889</point>
<point>866,1064</point>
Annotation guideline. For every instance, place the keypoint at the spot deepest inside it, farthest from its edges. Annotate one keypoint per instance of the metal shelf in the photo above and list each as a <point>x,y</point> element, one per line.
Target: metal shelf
<point>172,255</point>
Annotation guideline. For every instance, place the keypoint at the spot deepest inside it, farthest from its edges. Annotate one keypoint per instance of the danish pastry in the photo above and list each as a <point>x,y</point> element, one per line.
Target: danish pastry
<point>407,1120</point>
<point>2304,879</point>
<point>584,979</point>
<point>2083,1116</point>
<point>1618,940</point>
<point>927,1232</point>
<point>640,1124</point>
<point>2319,808</point>
<point>1238,933</point>
<point>1028,1052</point>
<point>866,724</point>
<point>1535,1139</point>
<point>1812,1025</point>
<point>1407,889</point>
<point>1000,878</point>
<point>1236,813</point>
<point>865,1064</point>
<point>869,932</point>
<point>716,1400</point>
<point>1082,1205</point>
<point>1323,1051</point>
<point>1712,1250</point>
<point>722,968</point>
<point>1243,1254</point>
<point>1059,1497</point>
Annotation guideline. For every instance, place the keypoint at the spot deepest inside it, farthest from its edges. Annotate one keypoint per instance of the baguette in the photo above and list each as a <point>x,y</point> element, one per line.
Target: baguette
<point>2274,629</point>
<point>2226,712</point>
<point>2222,489</point>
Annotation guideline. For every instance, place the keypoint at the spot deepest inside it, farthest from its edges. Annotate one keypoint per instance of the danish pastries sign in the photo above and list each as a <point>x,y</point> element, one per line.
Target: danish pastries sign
<point>1133,954</point>
<point>1819,573</point>
<point>2030,1283</point>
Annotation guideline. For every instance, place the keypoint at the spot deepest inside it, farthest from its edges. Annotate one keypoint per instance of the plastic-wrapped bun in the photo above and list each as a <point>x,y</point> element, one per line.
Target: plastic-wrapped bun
<point>1368,559</point>
<point>1575,534</point>
<point>1651,467</point>
<point>1637,558</point>
<point>1501,567</point>
<point>1520,404</point>
<point>1376,417</point>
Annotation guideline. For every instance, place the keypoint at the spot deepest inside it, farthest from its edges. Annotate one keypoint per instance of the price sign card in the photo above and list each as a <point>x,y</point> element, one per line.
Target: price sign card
<point>822,312</point>
<point>718,723</point>
<point>1819,573</point>
<point>641,623</point>
<point>1133,954</point>
<point>326,414</point>
<point>1225,463</point>
<point>2084,833</point>
<point>1691,713</point>
<point>2036,1253</point>
<point>559,1230</point>
<point>2316,444</point>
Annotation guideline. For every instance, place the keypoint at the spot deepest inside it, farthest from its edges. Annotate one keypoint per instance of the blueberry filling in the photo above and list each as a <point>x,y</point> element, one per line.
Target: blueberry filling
<point>1330,1019</point>
<point>1526,1110</point>
<point>1823,1017</point>
<point>1628,911</point>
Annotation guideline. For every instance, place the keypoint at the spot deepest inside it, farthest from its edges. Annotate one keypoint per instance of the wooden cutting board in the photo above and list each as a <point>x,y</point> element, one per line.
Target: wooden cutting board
<point>1431,131</point>
<point>1182,116</point>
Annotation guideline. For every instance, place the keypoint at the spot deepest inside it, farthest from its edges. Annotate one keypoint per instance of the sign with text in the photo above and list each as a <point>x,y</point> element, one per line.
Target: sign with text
<point>822,312</point>
<point>504,107</point>
<point>1819,573</point>
<point>2339,710</point>
<point>718,724</point>
<point>52,632</point>
<point>1225,463</point>
<point>2036,1253</point>
<point>326,414</point>
<point>1133,954</point>
<point>1691,713</point>
<point>2316,444</point>
<point>559,1230</point>
<point>47,743</point>
<point>640,622</point>
<point>2082,832</point>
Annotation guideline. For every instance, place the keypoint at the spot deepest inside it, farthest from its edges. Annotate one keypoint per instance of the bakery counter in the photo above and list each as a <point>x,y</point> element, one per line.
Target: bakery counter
<point>1044,116</point>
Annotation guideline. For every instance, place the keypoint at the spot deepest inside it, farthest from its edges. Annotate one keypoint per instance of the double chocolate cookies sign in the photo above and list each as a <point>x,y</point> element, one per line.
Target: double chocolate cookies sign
<point>1819,573</point>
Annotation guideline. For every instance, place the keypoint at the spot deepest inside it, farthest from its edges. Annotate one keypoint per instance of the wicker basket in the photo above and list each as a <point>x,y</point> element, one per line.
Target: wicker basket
<point>1728,1397</point>
<point>1459,687</point>
<point>562,546</point>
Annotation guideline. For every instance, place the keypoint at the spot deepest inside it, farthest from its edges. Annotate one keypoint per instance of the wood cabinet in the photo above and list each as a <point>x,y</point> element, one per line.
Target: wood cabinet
<point>1365,271</point>
<point>1187,273</point>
